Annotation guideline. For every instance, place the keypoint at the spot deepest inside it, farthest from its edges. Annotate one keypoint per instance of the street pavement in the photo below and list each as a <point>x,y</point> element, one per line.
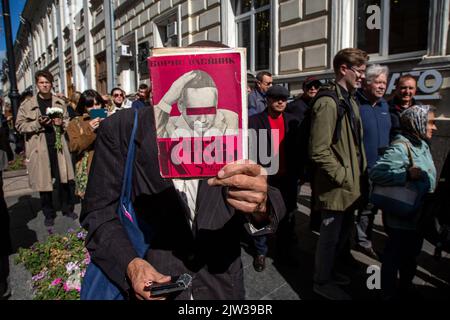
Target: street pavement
<point>277,282</point>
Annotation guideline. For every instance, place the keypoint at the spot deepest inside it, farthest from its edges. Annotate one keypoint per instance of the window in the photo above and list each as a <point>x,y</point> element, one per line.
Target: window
<point>143,54</point>
<point>389,27</point>
<point>101,73</point>
<point>252,19</point>
<point>167,29</point>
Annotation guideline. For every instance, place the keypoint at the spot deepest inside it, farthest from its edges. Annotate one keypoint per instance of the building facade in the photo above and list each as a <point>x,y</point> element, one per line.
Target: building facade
<point>101,44</point>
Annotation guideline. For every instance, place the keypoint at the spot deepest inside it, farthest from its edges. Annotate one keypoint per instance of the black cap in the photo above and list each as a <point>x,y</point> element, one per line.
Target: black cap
<point>310,80</point>
<point>277,91</point>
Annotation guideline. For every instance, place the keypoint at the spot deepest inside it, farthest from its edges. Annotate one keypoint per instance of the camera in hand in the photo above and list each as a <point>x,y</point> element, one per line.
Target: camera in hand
<point>179,283</point>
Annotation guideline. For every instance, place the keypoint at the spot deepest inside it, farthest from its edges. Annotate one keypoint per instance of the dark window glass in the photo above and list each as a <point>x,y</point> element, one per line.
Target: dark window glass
<point>262,31</point>
<point>244,38</point>
<point>261,3</point>
<point>408,25</point>
<point>367,39</point>
<point>244,6</point>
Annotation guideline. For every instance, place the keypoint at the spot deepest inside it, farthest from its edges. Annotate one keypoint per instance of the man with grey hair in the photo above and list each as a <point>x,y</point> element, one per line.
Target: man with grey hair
<point>376,123</point>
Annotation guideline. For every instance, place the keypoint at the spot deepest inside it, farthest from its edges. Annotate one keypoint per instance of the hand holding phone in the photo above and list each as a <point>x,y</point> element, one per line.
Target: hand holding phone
<point>94,123</point>
<point>44,120</point>
<point>179,283</point>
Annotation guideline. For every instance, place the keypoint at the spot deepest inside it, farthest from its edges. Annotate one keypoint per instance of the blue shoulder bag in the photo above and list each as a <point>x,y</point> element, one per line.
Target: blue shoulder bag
<point>96,285</point>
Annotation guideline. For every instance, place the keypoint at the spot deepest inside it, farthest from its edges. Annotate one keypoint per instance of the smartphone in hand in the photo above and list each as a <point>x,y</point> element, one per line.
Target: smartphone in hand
<point>179,283</point>
<point>98,113</point>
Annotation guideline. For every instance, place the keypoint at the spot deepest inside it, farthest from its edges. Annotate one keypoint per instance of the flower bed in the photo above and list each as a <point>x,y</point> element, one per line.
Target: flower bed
<point>57,265</point>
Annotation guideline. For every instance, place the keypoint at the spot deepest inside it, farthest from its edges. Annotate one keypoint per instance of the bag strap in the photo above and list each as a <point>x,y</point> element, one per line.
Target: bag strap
<point>125,195</point>
<point>408,148</point>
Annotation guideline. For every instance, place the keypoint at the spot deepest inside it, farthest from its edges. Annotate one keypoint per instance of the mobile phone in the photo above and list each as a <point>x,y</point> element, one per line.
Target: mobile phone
<point>97,113</point>
<point>179,283</point>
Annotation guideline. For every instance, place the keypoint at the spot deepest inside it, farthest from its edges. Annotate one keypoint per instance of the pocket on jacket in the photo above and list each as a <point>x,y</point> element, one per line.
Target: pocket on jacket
<point>347,184</point>
<point>31,116</point>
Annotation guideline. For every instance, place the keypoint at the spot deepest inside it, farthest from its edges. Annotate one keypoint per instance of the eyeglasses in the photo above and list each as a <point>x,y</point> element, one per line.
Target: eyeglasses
<point>358,72</point>
<point>118,95</point>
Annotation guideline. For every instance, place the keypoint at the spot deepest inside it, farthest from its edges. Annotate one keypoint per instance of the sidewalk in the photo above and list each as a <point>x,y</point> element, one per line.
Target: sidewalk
<point>15,183</point>
<point>27,227</point>
<point>277,282</point>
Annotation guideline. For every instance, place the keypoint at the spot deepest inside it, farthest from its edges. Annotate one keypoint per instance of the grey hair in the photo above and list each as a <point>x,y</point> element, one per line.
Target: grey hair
<point>431,108</point>
<point>374,71</point>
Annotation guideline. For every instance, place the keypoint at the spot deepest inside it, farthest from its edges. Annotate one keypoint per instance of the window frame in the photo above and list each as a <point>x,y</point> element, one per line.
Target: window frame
<point>251,15</point>
<point>157,22</point>
<point>383,53</point>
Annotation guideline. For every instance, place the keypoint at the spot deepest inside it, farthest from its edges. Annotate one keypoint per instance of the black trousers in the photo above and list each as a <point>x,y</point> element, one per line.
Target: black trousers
<point>400,256</point>
<point>285,233</point>
<point>64,192</point>
<point>65,199</point>
<point>5,238</point>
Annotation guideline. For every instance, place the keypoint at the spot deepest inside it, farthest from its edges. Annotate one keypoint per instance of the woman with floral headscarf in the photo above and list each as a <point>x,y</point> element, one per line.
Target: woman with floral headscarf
<point>404,241</point>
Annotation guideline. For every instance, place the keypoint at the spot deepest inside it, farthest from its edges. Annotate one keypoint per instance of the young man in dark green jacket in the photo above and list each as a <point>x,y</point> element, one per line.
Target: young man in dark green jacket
<point>338,157</point>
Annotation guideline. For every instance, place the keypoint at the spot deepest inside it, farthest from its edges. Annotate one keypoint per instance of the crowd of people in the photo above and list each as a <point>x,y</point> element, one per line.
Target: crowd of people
<point>341,137</point>
<point>348,139</point>
<point>57,136</point>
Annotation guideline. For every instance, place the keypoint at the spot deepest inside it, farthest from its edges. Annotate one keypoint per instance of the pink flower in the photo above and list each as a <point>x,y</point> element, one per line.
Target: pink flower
<point>56,282</point>
<point>87,259</point>
<point>66,287</point>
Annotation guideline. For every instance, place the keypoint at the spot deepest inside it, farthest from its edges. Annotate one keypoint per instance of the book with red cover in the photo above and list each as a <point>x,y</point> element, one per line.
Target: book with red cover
<point>200,106</point>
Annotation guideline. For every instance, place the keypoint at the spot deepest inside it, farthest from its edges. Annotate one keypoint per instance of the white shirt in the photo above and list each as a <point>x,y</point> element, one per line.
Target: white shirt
<point>188,191</point>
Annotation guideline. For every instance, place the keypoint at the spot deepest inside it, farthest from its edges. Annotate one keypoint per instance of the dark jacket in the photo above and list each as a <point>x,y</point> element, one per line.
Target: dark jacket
<point>138,104</point>
<point>298,108</point>
<point>376,122</point>
<point>290,144</point>
<point>301,109</point>
<point>286,183</point>
<point>395,110</point>
<point>209,251</point>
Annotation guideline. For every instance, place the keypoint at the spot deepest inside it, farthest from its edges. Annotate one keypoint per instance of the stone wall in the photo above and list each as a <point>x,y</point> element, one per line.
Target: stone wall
<point>303,35</point>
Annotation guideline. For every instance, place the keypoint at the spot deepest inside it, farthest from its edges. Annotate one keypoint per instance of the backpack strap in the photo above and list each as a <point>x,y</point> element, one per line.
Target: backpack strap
<point>341,110</point>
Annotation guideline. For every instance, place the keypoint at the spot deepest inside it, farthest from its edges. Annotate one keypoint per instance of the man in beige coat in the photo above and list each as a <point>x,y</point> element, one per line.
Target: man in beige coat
<point>49,169</point>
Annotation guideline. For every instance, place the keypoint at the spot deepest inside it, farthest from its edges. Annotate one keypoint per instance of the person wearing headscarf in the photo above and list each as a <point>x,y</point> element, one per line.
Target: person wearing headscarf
<point>404,241</point>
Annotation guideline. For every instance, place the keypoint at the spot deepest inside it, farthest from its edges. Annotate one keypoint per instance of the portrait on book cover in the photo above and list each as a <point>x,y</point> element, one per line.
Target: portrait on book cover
<point>200,109</point>
<point>196,95</point>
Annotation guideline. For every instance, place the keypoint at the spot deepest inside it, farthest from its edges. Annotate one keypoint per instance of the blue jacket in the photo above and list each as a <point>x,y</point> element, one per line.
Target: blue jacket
<point>138,104</point>
<point>392,169</point>
<point>376,123</point>
<point>257,102</point>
